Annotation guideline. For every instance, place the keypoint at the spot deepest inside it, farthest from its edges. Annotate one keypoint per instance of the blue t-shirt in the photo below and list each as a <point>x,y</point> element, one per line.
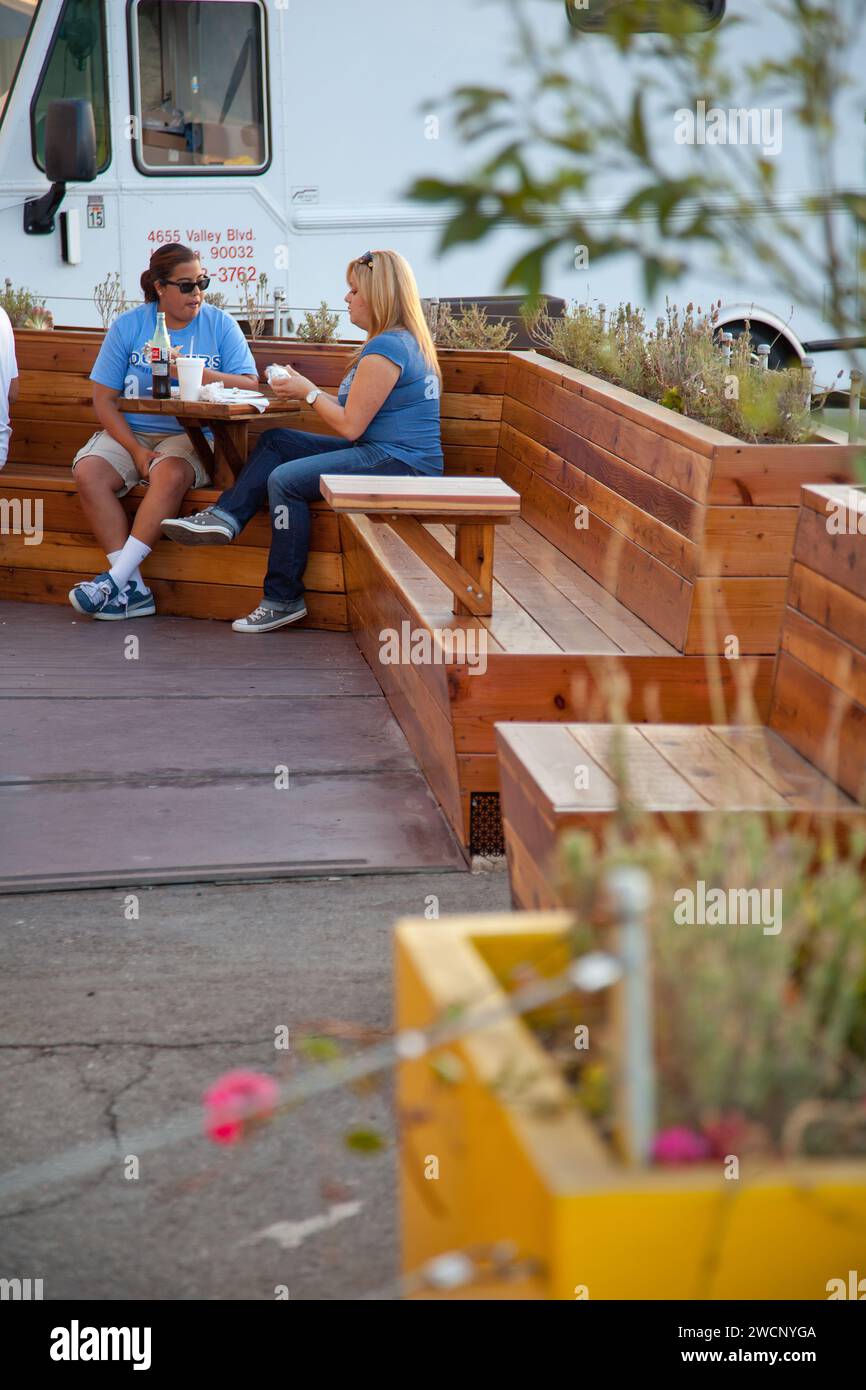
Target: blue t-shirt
<point>407,424</point>
<point>123,365</point>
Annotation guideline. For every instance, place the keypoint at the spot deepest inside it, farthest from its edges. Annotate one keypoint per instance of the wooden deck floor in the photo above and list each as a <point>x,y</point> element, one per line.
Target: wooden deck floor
<point>542,601</point>
<point>162,768</point>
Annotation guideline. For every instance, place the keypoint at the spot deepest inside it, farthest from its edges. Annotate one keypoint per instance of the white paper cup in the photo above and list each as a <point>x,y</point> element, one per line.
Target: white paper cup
<point>189,375</point>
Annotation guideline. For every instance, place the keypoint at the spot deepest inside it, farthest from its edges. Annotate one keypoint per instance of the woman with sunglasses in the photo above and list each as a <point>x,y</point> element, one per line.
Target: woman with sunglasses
<point>386,417</point>
<point>155,448</point>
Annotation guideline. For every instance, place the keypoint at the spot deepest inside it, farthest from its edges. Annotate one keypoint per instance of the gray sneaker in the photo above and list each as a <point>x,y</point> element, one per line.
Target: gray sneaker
<point>202,528</point>
<point>265,619</point>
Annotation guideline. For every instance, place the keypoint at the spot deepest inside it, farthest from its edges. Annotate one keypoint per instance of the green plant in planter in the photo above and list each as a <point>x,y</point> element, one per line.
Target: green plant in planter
<point>470,329</point>
<point>24,309</point>
<point>41,319</point>
<point>680,364</point>
<point>758,946</point>
<point>319,327</point>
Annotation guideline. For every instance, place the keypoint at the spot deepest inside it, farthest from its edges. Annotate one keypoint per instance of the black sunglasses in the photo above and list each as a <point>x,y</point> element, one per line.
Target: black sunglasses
<point>366,259</point>
<point>187,286</point>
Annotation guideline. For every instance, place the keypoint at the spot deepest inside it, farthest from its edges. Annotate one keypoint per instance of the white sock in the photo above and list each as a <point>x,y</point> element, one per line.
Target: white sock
<point>126,564</point>
<point>113,556</point>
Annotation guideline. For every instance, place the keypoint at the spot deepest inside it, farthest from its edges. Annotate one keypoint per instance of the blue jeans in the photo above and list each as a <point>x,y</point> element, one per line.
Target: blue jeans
<point>285,467</point>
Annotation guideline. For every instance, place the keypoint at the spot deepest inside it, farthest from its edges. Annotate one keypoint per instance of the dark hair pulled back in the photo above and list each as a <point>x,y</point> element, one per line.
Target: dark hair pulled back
<point>163,264</point>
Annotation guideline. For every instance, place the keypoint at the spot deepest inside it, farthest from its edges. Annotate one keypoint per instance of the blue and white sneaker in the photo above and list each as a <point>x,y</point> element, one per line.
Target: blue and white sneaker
<point>92,595</point>
<point>134,602</point>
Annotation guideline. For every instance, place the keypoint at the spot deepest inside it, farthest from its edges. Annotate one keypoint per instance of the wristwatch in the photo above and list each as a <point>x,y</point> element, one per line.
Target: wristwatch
<point>312,396</point>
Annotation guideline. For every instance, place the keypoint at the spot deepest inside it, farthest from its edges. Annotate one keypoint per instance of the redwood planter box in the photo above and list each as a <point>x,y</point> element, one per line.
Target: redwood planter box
<point>691,528</point>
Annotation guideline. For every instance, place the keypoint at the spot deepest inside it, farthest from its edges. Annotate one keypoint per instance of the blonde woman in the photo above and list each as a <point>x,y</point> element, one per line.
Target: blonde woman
<point>386,414</point>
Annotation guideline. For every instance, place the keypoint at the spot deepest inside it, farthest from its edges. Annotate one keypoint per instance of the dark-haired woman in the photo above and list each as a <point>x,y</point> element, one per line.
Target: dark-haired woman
<point>155,450</point>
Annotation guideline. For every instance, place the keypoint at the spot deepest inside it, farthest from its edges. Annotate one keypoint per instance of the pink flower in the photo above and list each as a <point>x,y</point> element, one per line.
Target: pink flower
<point>680,1145</point>
<point>236,1100</point>
<point>726,1134</point>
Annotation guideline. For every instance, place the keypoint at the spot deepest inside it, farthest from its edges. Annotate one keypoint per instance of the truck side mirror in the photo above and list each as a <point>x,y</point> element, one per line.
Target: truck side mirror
<point>70,157</point>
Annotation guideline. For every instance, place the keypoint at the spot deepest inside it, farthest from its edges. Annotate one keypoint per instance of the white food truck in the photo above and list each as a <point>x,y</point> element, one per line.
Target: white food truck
<point>280,137</point>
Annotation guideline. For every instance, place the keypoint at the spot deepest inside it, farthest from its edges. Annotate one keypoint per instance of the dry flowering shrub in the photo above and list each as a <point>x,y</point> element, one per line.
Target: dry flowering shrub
<point>470,329</point>
<point>759,1026</point>
<point>680,364</point>
<point>110,300</point>
<point>320,327</point>
<point>255,305</point>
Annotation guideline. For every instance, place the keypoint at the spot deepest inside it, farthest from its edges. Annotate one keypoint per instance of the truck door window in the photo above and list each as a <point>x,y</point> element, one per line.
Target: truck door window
<point>199,86</point>
<point>76,66</point>
<point>16,21</point>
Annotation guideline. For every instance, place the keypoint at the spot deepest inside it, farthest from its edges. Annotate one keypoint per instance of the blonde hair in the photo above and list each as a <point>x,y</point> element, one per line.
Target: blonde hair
<point>389,287</point>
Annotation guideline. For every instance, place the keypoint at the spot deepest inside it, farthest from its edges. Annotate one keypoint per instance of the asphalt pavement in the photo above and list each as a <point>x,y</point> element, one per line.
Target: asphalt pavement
<point>111,1024</point>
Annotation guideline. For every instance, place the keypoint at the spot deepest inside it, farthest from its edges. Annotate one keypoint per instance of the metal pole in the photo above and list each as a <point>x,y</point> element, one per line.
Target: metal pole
<point>809,373</point>
<point>279,301</point>
<point>630,890</point>
<point>854,405</point>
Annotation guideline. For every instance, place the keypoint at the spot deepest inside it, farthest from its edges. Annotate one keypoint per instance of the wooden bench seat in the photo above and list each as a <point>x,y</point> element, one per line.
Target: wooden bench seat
<point>548,650</point>
<point>560,777</point>
<point>53,417</point>
<point>809,762</point>
<point>644,541</point>
<point>475,506</point>
<point>187,581</point>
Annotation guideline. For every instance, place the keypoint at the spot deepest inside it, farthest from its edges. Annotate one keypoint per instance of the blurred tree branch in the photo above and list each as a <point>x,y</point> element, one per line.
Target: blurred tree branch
<point>570,145</point>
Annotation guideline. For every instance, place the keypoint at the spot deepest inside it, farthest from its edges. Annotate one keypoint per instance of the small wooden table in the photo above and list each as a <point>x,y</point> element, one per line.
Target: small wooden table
<point>229,421</point>
<point>473,505</point>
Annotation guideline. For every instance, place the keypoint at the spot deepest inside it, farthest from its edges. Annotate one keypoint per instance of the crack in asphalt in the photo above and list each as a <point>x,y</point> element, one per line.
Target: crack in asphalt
<point>64,1198</point>
<point>113,1097</point>
<point>110,1109</point>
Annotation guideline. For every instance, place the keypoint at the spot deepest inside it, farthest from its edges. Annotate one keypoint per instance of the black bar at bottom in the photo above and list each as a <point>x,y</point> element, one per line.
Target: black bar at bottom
<point>59,1339</point>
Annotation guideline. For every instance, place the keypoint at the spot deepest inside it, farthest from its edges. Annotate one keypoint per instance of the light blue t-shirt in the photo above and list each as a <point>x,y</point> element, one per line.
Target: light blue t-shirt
<point>122,363</point>
<point>407,424</point>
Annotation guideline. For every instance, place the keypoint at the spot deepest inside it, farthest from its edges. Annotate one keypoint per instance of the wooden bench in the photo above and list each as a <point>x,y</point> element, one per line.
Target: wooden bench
<point>475,506</point>
<point>53,417</point>
<point>644,541</point>
<point>808,762</point>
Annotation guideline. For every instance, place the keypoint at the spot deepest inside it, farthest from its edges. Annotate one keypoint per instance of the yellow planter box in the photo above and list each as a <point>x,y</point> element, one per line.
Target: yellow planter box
<point>510,1171</point>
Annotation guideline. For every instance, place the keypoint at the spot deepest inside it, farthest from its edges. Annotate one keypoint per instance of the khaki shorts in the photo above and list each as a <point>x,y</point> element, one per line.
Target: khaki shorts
<point>167,445</point>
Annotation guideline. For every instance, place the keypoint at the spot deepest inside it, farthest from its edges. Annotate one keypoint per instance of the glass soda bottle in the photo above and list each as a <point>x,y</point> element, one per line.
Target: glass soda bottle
<point>160,360</point>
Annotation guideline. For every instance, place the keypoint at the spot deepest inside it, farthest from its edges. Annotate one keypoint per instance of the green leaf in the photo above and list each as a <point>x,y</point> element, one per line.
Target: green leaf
<point>365,1141</point>
<point>435,191</point>
<point>319,1049</point>
<point>526,273</point>
<point>467,225</point>
<point>447,1067</point>
<point>636,129</point>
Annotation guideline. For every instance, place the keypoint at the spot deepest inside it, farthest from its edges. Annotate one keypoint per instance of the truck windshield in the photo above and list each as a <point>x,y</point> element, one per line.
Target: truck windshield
<point>16,20</point>
<point>200,91</point>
